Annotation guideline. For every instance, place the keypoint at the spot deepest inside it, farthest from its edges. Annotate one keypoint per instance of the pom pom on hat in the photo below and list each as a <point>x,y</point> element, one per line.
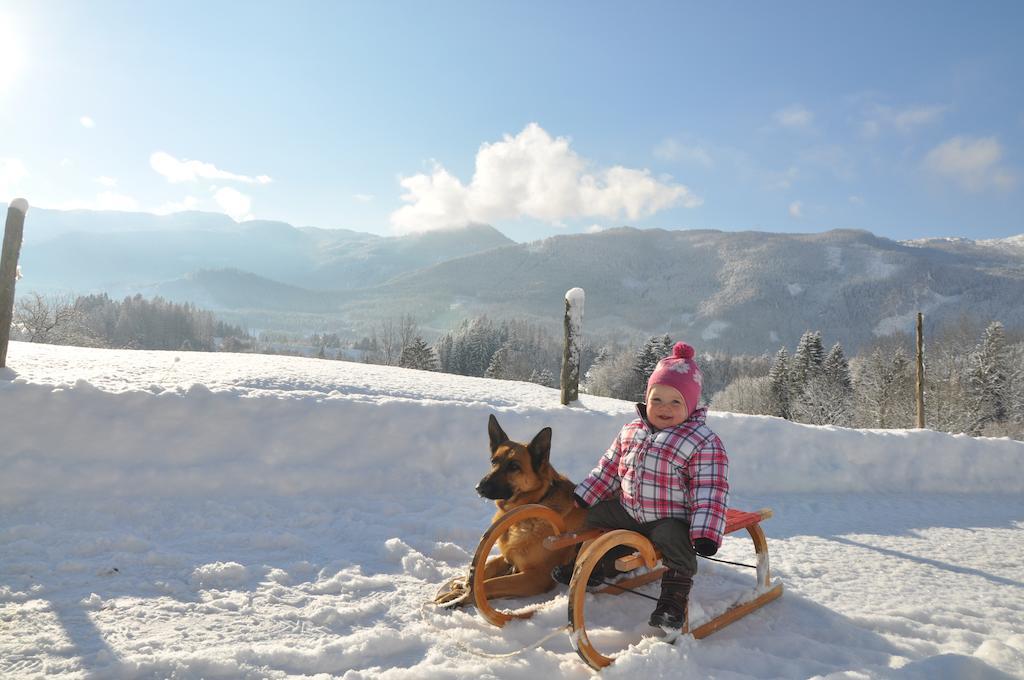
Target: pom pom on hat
<point>682,351</point>
<point>679,371</point>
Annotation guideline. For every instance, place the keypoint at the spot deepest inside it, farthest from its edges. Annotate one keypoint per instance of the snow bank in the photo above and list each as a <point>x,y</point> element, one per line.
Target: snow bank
<point>172,424</point>
<point>188,515</point>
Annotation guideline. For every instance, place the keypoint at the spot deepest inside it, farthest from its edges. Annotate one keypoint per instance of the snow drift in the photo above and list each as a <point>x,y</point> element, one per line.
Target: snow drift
<point>189,429</point>
<point>192,515</point>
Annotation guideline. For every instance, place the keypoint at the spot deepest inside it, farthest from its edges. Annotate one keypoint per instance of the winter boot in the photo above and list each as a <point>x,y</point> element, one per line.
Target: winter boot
<point>605,568</point>
<point>673,602</point>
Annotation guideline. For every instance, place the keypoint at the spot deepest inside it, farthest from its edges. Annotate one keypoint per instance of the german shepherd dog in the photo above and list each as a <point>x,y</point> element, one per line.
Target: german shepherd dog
<point>521,474</point>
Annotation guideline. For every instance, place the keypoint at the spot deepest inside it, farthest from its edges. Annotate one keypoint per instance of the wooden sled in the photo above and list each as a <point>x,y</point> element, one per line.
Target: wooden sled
<point>483,550</point>
<point>597,543</point>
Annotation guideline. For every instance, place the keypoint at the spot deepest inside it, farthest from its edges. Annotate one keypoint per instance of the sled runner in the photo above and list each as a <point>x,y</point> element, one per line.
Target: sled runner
<point>596,543</point>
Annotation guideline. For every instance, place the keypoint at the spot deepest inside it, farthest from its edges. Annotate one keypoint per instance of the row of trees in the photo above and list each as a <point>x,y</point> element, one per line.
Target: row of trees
<point>506,350</point>
<point>974,380</point>
<point>131,323</point>
<point>971,385</point>
<point>621,371</point>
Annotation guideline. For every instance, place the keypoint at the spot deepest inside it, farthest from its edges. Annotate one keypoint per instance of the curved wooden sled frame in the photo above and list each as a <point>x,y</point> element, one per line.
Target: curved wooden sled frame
<point>646,556</point>
<point>483,551</point>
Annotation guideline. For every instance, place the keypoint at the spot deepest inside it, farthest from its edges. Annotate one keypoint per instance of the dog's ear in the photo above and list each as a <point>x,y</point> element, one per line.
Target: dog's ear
<point>540,448</point>
<point>498,436</point>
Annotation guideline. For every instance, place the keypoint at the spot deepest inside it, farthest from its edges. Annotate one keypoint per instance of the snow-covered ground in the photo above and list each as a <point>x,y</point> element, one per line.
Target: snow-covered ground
<point>186,515</point>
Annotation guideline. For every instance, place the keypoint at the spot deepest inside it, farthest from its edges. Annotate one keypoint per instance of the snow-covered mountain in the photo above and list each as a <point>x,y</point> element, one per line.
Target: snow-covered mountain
<point>735,291</point>
<point>124,253</point>
<point>188,515</point>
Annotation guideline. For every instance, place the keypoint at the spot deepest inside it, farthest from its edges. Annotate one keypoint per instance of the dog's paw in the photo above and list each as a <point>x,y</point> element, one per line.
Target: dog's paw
<point>454,593</point>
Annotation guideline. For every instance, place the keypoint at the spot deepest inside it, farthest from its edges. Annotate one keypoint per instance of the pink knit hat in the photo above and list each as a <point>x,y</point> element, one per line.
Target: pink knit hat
<point>679,371</point>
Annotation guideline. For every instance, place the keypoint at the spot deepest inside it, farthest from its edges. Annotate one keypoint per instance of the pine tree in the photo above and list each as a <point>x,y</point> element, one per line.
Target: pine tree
<point>542,377</point>
<point>903,403</point>
<point>884,390</point>
<point>444,353</point>
<point>807,361</point>
<point>417,354</point>
<point>780,383</point>
<point>646,359</point>
<point>827,397</point>
<point>837,369</point>
<point>989,378</point>
<point>871,381</point>
<point>498,366</point>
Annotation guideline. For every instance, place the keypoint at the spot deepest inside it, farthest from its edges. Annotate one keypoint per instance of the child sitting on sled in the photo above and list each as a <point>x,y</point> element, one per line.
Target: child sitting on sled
<point>665,476</point>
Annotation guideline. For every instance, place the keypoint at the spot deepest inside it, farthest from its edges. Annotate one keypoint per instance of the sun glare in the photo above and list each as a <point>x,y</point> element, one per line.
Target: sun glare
<point>11,53</point>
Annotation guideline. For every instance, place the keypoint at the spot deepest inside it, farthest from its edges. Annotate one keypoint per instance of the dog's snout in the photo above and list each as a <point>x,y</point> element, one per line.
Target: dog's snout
<point>485,487</point>
<point>493,489</point>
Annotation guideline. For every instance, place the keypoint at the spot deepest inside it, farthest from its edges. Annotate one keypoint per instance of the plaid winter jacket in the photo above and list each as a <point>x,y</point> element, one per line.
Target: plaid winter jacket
<point>681,471</point>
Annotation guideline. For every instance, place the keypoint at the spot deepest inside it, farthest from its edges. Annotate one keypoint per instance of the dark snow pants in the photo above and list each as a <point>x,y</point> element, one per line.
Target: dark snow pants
<point>671,536</point>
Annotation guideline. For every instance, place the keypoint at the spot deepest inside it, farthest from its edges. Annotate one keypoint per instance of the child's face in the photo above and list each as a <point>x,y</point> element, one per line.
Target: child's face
<point>666,407</point>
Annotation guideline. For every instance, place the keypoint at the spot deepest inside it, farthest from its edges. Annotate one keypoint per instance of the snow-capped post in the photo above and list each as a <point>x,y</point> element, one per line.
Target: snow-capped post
<point>572,355</point>
<point>920,370</point>
<point>9,270</point>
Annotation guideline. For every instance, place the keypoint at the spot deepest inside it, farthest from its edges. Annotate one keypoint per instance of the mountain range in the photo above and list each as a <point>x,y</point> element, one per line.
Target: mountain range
<point>741,291</point>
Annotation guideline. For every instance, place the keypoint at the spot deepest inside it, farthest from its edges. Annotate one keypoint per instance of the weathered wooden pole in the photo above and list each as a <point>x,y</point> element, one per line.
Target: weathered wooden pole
<point>9,270</point>
<point>920,370</point>
<point>572,354</point>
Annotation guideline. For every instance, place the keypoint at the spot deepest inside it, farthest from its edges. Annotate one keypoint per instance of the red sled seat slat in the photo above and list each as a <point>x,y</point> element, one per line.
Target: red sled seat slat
<point>741,519</point>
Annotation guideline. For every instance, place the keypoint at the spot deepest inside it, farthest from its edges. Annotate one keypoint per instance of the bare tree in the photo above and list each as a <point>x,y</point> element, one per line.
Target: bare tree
<point>386,337</point>
<point>746,394</point>
<point>393,336</point>
<point>408,331</point>
<point>613,376</point>
<point>50,320</point>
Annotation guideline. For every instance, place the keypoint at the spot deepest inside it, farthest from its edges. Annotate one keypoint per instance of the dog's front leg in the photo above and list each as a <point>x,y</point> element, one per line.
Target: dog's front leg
<point>496,566</point>
<point>522,584</point>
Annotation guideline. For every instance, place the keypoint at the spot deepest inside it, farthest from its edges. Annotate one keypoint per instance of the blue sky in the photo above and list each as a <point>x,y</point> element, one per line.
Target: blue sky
<point>541,118</point>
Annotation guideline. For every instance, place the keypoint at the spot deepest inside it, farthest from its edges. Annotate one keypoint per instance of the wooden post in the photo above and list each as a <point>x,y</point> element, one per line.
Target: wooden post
<point>9,270</point>
<point>920,370</point>
<point>571,356</point>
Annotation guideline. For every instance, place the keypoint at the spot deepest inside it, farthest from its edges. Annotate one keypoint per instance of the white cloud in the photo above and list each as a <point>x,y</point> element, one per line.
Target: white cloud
<point>902,120</point>
<point>107,181</point>
<point>595,228</point>
<point>234,203</point>
<point>175,170</point>
<point>188,203</point>
<point>362,198</point>
<point>796,209</point>
<point>871,128</point>
<point>907,119</point>
<point>673,150</point>
<point>536,176</point>
<point>833,157</point>
<point>106,200</point>
<point>87,122</point>
<point>783,179</point>
<point>973,163</point>
<point>12,171</point>
<point>856,200</point>
<point>110,200</point>
<point>12,52</point>
<point>795,117</point>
